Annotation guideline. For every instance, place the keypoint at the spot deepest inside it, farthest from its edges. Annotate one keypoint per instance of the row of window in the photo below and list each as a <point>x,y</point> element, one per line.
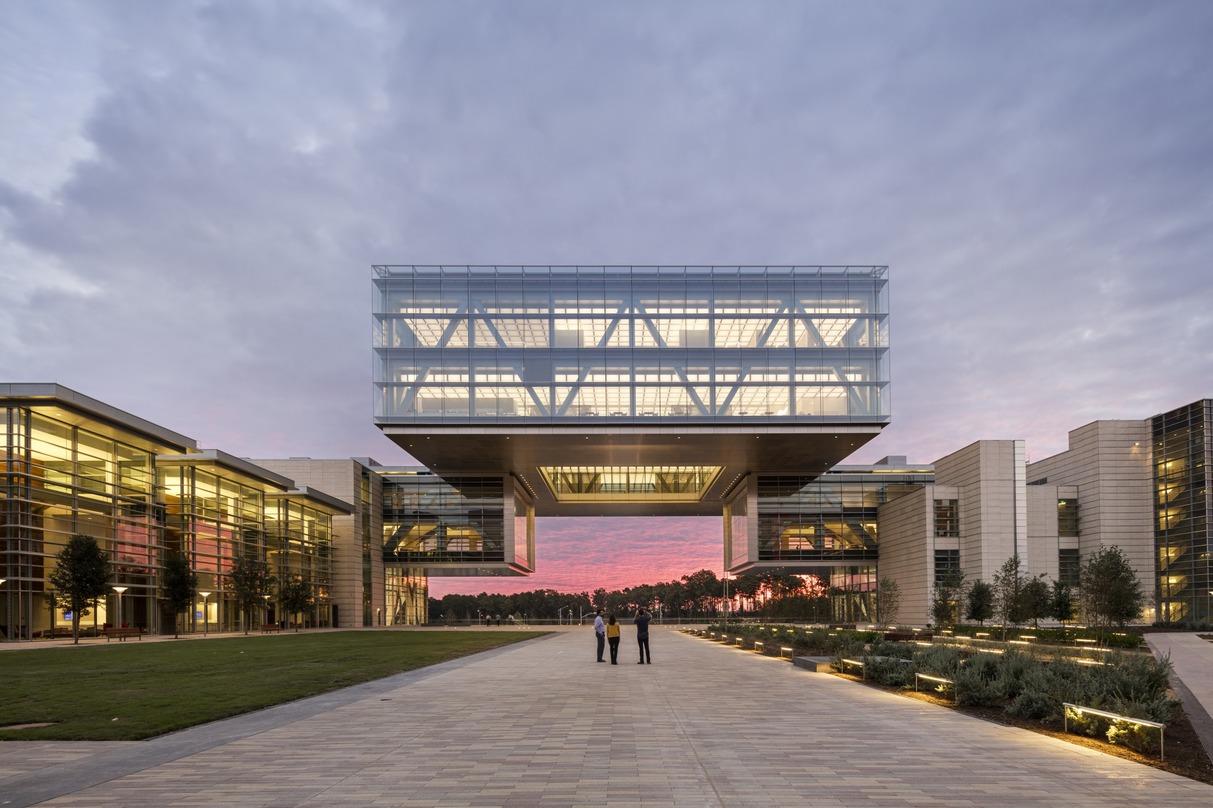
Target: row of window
<point>947,566</point>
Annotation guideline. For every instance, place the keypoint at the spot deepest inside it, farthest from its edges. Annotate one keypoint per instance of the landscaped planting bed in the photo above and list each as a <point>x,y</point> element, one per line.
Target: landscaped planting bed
<point>1020,686</point>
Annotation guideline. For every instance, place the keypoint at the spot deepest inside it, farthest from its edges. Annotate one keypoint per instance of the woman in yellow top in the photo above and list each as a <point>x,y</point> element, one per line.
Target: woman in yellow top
<point>613,639</point>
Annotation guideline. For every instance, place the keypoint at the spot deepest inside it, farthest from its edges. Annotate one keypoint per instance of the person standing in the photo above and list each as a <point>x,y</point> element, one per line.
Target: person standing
<point>599,633</point>
<point>612,635</point>
<point>642,637</point>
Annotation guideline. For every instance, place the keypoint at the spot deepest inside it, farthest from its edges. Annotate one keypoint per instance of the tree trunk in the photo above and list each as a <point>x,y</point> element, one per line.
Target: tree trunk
<point>75,626</point>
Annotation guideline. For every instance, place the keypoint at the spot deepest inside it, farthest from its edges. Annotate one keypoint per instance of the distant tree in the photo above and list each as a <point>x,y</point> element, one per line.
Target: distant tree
<point>888,600</point>
<point>746,586</point>
<point>80,577</point>
<point>600,598</point>
<point>1061,603</point>
<point>249,582</point>
<point>1035,601</point>
<point>1110,591</point>
<point>295,596</point>
<point>178,586</point>
<point>1008,582</point>
<point>703,590</point>
<point>945,601</point>
<point>979,602</point>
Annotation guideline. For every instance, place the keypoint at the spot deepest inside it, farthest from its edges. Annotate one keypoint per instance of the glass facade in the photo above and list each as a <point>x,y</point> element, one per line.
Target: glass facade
<point>407,591</point>
<point>301,548</point>
<point>806,518</point>
<point>64,474</point>
<point>1068,566</point>
<point>947,566</point>
<point>947,519</point>
<point>630,483</point>
<point>474,521</point>
<point>1067,517</point>
<point>62,477</point>
<point>576,345</point>
<point>1183,453</point>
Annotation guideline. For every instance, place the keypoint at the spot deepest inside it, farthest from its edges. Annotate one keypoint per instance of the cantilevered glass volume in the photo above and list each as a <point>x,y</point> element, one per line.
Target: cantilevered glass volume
<point>584,345</point>
<point>630,389</point>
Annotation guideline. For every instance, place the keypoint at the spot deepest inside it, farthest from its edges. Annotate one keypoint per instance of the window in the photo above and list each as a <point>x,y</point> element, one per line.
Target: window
<point>1067,517</point>
<point>1067,567</point>
<point>947,564</point>
<point>947,518</point>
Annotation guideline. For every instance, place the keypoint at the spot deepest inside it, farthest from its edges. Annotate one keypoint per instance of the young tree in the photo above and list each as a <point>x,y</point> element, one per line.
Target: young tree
<point>249,582</point>
<point>888,601</point>
<point>296,596</point>
<point>179,586</point>
<point>1008,582</point>
<point>946,599</point>
<point>1035,601</point>
<point>1110,591</point>
<point>81,576</point>
<point>1061,604</point>
<point>980,602</point>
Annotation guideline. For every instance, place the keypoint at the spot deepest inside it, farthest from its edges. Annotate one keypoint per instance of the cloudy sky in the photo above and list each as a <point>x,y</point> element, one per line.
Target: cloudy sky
<point>191,195</point>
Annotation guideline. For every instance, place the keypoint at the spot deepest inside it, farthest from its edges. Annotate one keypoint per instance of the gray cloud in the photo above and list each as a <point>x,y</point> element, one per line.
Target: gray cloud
<point>191,194</point>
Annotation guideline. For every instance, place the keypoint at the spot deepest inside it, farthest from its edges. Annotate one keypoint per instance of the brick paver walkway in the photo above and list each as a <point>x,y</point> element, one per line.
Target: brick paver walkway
<point>540,724</point>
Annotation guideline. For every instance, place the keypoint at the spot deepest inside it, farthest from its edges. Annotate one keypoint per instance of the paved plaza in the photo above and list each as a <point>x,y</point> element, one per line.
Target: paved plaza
<point>540,724</point>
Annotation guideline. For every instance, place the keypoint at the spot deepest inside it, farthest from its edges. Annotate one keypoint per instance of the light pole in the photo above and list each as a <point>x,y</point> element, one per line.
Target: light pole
<point>206,612</point>
<point>267,608</point>
<point>119,590</point>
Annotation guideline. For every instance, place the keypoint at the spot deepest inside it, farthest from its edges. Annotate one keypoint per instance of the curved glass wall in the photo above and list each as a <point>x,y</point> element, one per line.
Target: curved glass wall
<point>457,344</point>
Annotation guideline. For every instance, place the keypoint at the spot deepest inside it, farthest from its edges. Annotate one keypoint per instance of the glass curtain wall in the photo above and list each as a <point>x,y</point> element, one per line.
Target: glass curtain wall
<point>62,478</point>
<point>831,517</point>
<point>301,548</point>
<point>407,596</point>
<point>592,344</point>
<point>432,519</point>
<point>1183,452</point>
<point>213,518</point>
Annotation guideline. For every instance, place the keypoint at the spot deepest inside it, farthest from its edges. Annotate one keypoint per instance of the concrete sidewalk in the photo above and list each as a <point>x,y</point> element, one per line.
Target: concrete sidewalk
<point>1192,660</point>
<point>541,724</point>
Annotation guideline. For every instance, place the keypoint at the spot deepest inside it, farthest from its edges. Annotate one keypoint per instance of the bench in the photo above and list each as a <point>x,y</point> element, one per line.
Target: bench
<point>907,636</point>
<point>270,628</point>
<point>122,633</point>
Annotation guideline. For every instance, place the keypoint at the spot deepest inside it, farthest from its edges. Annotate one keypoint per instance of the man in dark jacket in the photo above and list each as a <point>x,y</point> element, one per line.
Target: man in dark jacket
<point>642,636</point>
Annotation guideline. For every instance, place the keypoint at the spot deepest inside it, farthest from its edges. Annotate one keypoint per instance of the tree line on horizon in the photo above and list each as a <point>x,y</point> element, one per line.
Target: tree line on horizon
<point>770,593</point>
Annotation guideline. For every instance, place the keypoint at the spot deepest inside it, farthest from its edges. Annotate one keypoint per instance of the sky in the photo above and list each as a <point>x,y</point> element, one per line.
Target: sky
<point>192,193</point>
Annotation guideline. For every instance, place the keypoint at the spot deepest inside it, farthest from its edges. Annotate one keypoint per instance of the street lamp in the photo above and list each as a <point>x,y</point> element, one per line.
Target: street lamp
<point>206,612</point>
<point>120,590</point>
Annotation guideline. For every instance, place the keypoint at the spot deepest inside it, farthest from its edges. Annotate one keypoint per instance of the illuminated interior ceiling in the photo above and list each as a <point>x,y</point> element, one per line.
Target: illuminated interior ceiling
<point>629,483</point>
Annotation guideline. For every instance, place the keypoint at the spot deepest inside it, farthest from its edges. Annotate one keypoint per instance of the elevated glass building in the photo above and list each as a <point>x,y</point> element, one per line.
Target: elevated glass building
<point>630,389</point>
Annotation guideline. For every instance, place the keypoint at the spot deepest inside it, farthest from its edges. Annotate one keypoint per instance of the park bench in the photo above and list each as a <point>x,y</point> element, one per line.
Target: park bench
<point>122,633</point>
<point>907,636</point>
<point>270,628</point>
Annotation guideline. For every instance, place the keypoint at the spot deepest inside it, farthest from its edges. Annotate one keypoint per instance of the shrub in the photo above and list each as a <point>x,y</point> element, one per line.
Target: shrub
<point>888,670</point>
<point>977,682</point>
<point>937,660</point>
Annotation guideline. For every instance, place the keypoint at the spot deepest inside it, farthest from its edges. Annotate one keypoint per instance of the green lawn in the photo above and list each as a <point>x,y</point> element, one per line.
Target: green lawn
<point>136,690</point>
